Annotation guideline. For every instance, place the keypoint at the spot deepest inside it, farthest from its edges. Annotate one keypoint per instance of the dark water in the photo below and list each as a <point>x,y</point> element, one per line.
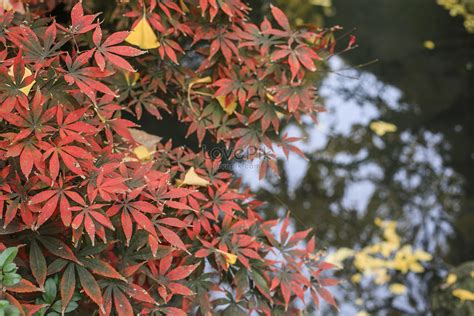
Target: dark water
<point>421,176</point>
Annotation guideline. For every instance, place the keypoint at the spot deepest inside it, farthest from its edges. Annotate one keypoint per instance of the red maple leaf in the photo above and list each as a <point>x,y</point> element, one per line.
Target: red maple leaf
<point>111,52</point>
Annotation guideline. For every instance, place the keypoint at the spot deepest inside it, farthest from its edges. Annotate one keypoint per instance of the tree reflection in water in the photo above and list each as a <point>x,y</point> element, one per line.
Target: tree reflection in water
<point>421,175</point>
<point>354,176</point>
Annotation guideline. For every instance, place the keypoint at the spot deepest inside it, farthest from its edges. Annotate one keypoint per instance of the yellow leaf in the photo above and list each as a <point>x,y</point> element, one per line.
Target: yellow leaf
<point>322,3</point>
<point>398,289</point>
<point>207,79</point>
<point>381,128</point>
<point>131,78</point>
<point>451,279</point>
<point>339,256</point>
<point>270,97</point>
<point>143,35</point>
<point>362,313</point>
<point>429,45</point>
<point>416,267</point>
<point>229,257</point>
<point>6,5</point>
<point>183,6</point>
<point>26,90</point>
<point>192,178</point>
<point>142,152</point>
<point>378,221</point>
<point>463,295</point>
<point>280,115</point>
<point>381,277</point>
<point>16,6</point>
<point>229,108</point>
<point>356,278</point>
<point>423,255</point>
<point>472,274</point>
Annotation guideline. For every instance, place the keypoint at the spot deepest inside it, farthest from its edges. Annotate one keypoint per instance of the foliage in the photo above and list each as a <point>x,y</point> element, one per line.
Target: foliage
<point>464,8</point>
<point>101,221</point>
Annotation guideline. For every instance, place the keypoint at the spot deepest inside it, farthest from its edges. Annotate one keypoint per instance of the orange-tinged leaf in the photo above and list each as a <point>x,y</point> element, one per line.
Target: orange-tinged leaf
<point>172,237</point>
<point>286,292</point>
<point>15,302</point>
<point>37,263</point>
<point>181,272</point>
<point>327,296</point>
<point>122,304</point>
<point>90,286</point>
<point>58,248</point>
<point>102,268</point>
<point>179,289</point>
<point>31,309</point>
<point>131,270</point>
<point>68,285</point>
<point>24,286</point>
<point>140,294</point>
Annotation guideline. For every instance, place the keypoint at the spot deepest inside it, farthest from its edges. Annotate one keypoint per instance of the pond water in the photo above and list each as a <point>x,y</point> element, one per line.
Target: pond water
<point>421,175</point>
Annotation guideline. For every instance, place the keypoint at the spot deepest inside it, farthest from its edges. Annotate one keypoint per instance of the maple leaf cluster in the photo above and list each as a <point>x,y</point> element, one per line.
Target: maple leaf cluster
<point>170,234</point>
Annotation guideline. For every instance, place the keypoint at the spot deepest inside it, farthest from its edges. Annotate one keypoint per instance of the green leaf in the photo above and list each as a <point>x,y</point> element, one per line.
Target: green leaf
<point>7,256</point>
<point>7,309</point>
<point>92,250</point>
<point>9,268</point>
<point>56,266</point>
<point>11,279</point>
<point>57,307</point>
<point>70,307</point>
<point>38,263</point>
<point>50,291</point>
